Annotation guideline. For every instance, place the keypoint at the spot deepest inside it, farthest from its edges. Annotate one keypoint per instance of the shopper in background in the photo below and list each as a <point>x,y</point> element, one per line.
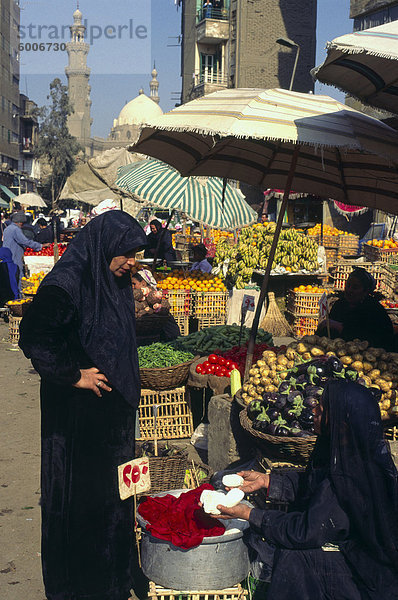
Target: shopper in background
<point>16,241</point>
<point>200,263</point>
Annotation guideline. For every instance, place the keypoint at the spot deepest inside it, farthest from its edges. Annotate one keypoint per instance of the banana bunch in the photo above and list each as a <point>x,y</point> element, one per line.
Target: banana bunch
<point>294,252</point>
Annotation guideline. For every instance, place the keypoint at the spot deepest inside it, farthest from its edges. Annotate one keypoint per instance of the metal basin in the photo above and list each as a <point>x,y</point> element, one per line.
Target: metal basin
<point>219,562</point>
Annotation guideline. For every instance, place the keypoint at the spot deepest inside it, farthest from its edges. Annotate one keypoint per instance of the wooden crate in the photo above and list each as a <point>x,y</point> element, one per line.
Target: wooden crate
<point>383,274</point>
<point>13,329</point>
<point>179,300</point>
<point>210,304</point>
<point>348,245</point>
<point>174,418</point>
<point>211,321</point>
<point>156,592</point>
<point>329,241</point>
<point>302,324</point>
<point>303,303</point>
<point>183,323</point>
<point>391,434</point>
<point>331,256</point>
<point>384,255</point>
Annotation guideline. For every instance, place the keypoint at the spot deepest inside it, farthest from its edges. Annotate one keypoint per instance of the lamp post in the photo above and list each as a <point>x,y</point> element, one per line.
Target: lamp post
<point>290,44</point>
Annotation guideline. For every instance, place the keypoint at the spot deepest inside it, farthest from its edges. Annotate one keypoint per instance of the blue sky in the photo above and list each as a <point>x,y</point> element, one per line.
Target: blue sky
<point>128,36</point>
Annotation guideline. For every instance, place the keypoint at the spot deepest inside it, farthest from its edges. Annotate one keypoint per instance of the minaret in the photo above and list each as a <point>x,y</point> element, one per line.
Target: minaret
<point>77,72</point>
<point>154,86</point>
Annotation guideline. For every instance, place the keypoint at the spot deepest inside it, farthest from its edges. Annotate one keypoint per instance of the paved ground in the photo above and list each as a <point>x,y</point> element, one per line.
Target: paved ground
<point>20,566</point>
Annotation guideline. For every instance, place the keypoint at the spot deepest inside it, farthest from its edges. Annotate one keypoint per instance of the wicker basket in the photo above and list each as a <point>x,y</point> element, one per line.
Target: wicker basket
<point>18,310</point>
<point>167,472</point>
<point>13,329</point>
<point>303,324</point>
<point>174,418</point>
<point>165,378</point>
<point>290,448</point>
<point>303,303</point>
<point>156,592</point>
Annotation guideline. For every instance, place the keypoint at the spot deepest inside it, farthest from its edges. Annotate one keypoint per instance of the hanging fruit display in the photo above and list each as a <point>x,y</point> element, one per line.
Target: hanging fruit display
<point>294,252</point>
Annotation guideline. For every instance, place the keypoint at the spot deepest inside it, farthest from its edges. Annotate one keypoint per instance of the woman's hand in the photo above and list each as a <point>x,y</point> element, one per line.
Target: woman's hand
<point>92,379</point>
<point>253,481</point>
<point>240,511</point>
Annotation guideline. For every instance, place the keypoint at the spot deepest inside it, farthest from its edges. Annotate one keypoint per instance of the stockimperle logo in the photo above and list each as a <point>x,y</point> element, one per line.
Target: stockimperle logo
<point>118,35</point>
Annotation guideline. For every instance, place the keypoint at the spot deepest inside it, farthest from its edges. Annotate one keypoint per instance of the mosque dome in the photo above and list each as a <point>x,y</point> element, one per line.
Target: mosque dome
<point>138,111</point>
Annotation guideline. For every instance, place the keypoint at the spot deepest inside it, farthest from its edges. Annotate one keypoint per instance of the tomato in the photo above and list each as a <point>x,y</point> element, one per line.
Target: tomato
<point>228,364</point>
<point>199,369</point>
<point>228,374</point>
<point>233,366</point>
<point>208,371</point>
<point>206,364</point>
<point>212,369</point>
<point>217,370</point>
<point>213,358</point>
<point>221,361</point>
<point>223,372</point>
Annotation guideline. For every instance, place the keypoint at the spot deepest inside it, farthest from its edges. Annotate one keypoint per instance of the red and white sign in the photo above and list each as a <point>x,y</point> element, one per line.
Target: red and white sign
<point>134,477</point>
<point>248,302</point>
<point>323,307</point>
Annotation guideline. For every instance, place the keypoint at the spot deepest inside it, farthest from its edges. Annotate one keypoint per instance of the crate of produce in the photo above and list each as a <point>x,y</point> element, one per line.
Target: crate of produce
<point>179,300</point>
<point>210,304</point>
<point>156,592</point>
<point>348,245</point>
<point>174,416</point>
<point>384,255</point>
<point>329,241</point>
<point>163,367</point>
<point>383,274</point>
<point>211,321</point>
<point>18,307</point>
<point>331,256</point>
<point>391,434</point>
<point>303,324</point>
<point>304,302</point>
<point>13,329</point>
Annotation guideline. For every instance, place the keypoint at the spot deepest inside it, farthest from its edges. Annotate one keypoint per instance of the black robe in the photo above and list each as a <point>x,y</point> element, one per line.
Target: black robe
<point>339,539</point>
<point>166,251</point>
<point>367,321</point>
<point>83,317</point>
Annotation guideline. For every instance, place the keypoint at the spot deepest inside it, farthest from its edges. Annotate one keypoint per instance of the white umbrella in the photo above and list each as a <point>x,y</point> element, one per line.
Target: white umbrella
<point>280,139</point>
<point>365,65</point>
<point>30,199</point>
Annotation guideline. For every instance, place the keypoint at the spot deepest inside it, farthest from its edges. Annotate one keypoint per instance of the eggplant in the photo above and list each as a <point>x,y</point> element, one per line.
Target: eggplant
<point>295,424</point>
<point>281,402</point>
<point>284,387</point>
<point>295,431</point>
<point>302,381</point>
<point>291,414</point>
<point>282,431</point>
<point>351,375</point>
<point>262,426</point>
<point>254,409</point>
<point>273,414</point>
<point>294,397</point>
<point>310,402</point>
<point>306,417</point>
<point>271,429</point>
<point>313,391</point>
<point>336,366</point>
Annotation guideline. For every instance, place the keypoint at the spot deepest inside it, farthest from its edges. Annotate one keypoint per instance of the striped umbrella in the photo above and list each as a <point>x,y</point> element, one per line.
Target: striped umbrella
<point>280,139</point>
<point>364,64</point>
<point>204,199</point>
<point>250,135</point>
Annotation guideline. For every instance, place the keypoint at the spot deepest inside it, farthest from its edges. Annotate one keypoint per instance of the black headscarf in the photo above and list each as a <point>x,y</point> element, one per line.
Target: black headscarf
<point>364,478</point>
<point>104,303</point>
<point>367,280</point>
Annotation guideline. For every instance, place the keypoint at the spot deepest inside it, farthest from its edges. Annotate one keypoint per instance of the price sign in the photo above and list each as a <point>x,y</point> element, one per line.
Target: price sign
<point>134,477</point>
<point>248,303</point>
<point>323,307</point>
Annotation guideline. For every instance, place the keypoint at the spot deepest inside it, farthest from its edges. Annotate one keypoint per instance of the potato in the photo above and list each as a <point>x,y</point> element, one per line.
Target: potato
<point>340,351</point>
<point>382,365</point>
<point>260,364</point>
<point>302,348</point>
<point>307,356</point>
<point>317,351</point>
<point>339,342</point>
<point>271,388</point>
<point>291,354</point>
<point>385,356</point>
<point>260,389</point>
<point>282,360</point>
<point>266,380</point>
<point>363,345</point>
<point>268,353</point>
<point>264,372</point>
<point>367,366</point>
<point>254,371</point>
<point>357,356</point>
<point>310,339</point>
<point>385,404</point>
<point>252,393</point>
<point>377,352</point>
<point>346,360</point>
<point>245,397</point>
<point>374,374</point>
<point>290,364</point>
<point>386,376</point>
<point>245,387</point>
<point>367,380</point>
<point>369,356</point>
<point>383,385</point>
<point>384,413</point>
<point>256,381</point>
<point>271,360</point>
<point>357,365</point>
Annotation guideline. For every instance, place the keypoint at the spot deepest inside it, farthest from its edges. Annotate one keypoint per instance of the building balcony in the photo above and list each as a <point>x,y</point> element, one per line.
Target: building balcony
<point>27,147</point>
<point>208,82</point>
<point>214,29</point>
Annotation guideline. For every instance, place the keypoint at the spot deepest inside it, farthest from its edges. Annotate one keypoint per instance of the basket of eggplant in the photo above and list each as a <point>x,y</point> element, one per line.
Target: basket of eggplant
<point>282,422</point>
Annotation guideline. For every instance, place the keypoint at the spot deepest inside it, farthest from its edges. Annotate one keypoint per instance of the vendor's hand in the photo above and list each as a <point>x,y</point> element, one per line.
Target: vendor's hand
<point>253,481</point>
<point>92,379</point>
<point>240,511</point>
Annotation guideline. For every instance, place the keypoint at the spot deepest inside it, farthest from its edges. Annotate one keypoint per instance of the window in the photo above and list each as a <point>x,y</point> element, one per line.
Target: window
<point>210,68</point>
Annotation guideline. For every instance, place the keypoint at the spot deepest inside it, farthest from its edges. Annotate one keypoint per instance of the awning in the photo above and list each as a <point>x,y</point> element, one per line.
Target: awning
<point>9,193</point>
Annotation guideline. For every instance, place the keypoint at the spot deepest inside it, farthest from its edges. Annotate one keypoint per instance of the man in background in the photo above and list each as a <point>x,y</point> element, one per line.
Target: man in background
<point>16,241</point>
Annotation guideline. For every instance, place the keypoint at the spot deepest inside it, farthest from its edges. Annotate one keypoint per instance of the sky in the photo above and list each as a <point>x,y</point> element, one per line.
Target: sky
<point>127,37</point>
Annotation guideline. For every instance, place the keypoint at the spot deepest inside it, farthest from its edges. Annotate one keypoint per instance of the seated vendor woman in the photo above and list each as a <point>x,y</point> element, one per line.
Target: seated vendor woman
<point>358,314</point>
<point>339,538</point>
<point>200,262</point>
<point>159,239</point>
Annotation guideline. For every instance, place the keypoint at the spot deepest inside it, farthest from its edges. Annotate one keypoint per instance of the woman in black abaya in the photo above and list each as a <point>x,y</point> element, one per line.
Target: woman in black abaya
<point>339,540</point>
<point>79,333</point>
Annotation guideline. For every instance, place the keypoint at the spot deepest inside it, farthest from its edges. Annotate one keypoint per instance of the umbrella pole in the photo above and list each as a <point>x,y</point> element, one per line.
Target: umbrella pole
<point>265,283</point>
